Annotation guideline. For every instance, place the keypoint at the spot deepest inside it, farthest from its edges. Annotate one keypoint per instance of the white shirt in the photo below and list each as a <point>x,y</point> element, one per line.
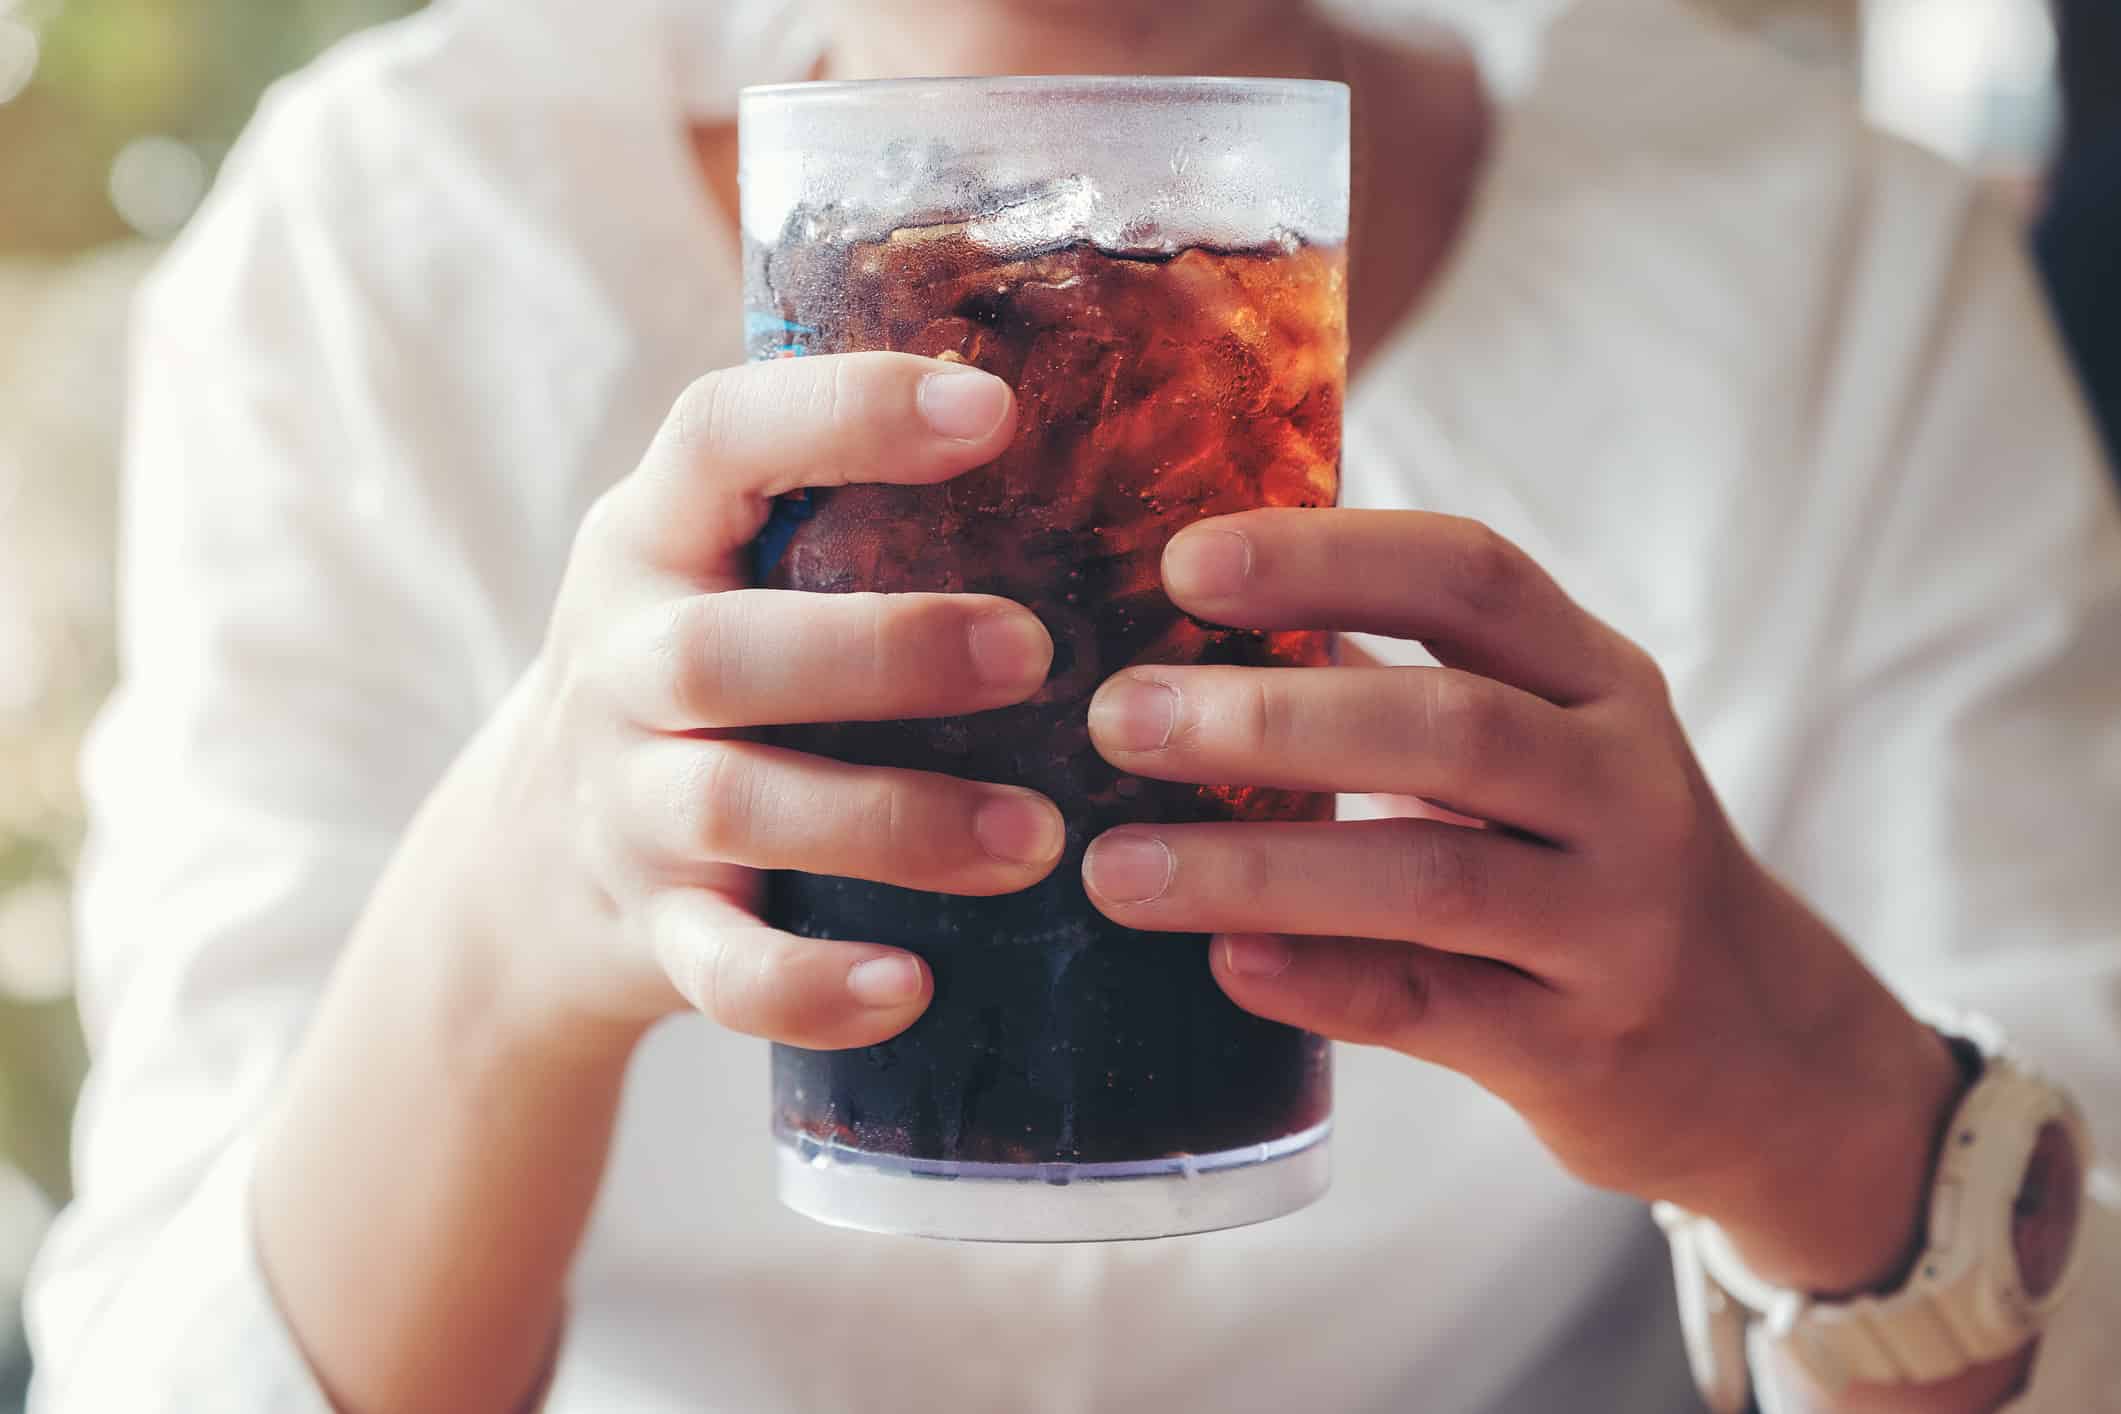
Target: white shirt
<point>1771,394</point>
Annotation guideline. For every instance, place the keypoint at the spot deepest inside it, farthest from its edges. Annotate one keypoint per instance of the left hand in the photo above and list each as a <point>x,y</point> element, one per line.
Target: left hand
<point>1605,955</point>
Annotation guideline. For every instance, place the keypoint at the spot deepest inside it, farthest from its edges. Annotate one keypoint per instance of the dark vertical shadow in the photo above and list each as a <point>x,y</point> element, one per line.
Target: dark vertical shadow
<point>2078,239</point>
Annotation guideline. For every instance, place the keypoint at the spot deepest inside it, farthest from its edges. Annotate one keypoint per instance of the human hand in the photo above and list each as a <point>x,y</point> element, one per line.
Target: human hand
<point>630,818</point>
<point>1605,955</point>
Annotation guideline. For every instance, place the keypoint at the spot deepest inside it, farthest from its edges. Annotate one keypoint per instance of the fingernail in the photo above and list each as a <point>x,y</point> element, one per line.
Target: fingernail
<point>1129,868</point>
<point>1131,715</point>
<point>1020,829</point>
<point>1207,564</point>
<point>1256,955</point>
<point>1010,650</point>
<point>964,405</point>
<point>886,981</point>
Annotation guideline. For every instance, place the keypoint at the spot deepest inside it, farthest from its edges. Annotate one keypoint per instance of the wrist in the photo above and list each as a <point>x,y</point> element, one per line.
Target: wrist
<point>1956,1332</point>
<point>437,1144</point>
<point>1836,1205</point>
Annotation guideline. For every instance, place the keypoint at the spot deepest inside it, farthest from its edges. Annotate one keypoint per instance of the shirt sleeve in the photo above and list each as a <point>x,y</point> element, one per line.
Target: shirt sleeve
<point>1957,812</point>
<point>293,676</point>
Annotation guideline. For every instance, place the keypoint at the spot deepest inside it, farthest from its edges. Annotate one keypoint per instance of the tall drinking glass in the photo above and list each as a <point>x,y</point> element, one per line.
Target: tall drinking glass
<point>1158,267</point>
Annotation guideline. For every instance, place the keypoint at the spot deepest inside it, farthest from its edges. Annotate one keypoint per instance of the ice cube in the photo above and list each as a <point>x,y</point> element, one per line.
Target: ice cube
<point>1053,214</point>
<point>1065,376</point>
<point>955,341</point>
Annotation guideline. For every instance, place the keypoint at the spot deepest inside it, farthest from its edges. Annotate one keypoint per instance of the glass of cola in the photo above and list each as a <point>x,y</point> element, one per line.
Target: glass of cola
<point>1158,267</point>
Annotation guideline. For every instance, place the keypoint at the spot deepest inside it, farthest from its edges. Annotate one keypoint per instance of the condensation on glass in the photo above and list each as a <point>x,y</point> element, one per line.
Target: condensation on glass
<point>1158,267</point>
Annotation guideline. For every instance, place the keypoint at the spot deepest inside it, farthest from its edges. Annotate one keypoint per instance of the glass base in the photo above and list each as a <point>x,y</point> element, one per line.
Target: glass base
<point>1105,1202</point>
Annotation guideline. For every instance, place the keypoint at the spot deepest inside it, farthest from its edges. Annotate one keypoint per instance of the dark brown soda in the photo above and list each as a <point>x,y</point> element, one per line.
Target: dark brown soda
<point>1155,389</point>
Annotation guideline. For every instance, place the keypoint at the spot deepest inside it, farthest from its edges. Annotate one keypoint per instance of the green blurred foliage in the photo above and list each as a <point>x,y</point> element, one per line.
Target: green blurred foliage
<point>41,1061</point>
<point>115,70</point>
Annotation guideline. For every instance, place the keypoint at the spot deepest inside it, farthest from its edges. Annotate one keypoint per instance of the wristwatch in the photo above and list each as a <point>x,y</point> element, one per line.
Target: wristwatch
<point>2004,1221</point>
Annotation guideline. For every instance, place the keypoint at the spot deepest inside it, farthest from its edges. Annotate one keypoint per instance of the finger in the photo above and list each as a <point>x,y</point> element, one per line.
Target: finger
<point>681,801</point>
<point>741,436</point>
<point>1474,1016</point>
<point>1478,892</point>
<point>1471,597</point>
<point>1489,749</point>
<point>822,996</point>
<point>758,657</point>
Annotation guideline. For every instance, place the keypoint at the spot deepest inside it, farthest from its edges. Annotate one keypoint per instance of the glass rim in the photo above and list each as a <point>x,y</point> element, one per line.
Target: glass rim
<point>1131,87</point>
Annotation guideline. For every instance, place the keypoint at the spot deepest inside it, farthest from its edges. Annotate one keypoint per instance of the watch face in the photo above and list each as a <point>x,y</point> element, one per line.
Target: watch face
<point>2044,1219</point>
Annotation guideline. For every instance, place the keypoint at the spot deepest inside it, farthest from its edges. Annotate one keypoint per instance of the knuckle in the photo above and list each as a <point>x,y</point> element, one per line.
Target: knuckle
<point>1658,980</point>
<point>837,395</point>
<point>886,620</point>
<point>586,674</point>
<point>1671,812</point>
<point>1385,997</point>
<point>692,653</point>
<point>1591,763</point>
<point>1649,976</point>
<point>1485,572</point>
<point>1439,880</point>
<point>729,975</point>
<point>1252,876</point>
<point>722,802</point>
<point>705,413</point>
<point>1642,670</point>
<point>771,999</point>
<point>1471,727</point>
<point>611,866</point>
<point>599,524</point>
<point>696,972</point>
<point>1613,1057</point>
<point>884,815</point>
<point>1263,718</point>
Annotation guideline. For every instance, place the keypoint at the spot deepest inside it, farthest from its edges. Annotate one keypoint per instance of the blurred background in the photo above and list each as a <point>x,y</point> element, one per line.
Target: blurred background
<point>113,117</point>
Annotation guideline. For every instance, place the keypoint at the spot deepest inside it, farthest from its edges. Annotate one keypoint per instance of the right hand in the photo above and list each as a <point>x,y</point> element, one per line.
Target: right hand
<point>629,817</point>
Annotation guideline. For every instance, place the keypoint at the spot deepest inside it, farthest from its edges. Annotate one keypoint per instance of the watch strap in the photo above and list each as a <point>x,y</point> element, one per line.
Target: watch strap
<point>1713,1324</point>
<point>1960,1306</point>
<point>1909,1336</point>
